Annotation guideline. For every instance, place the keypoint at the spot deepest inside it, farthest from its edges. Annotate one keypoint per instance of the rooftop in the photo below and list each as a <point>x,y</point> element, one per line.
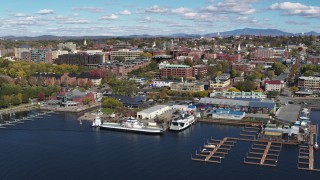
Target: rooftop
<point>154,108</point>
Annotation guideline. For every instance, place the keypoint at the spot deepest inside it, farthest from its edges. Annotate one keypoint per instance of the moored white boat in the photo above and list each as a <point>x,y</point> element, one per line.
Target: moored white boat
<point>182,122</point>
<point>132,125</point>
<point>304,114</point>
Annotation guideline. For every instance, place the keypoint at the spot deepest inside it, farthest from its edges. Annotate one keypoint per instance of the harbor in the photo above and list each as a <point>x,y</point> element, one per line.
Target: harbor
<point>73,143</point>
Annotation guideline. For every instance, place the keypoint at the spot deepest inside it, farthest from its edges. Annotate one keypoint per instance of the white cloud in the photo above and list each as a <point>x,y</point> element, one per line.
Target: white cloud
<point>125,12</point>
<point>45,11</point>
<point>181,10</point>
<point>111,17</point>
<point>20,15</point>
<point>89,9</point>
<point>232,6</point>
<point>70,20</point>
<point>156,9</point>
<point>289,8</point>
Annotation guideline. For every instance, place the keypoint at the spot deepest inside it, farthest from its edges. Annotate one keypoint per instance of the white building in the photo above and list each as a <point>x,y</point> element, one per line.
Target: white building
<point>159,83</point>
<point>126,53</point>
<point>68,45</point>
<point>273,85</point>
<point>21,49</point>
<point>153,112</point>
<point>56,54</point>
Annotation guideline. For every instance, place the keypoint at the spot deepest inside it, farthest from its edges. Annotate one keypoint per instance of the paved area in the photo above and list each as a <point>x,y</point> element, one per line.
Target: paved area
<point>288,113</point>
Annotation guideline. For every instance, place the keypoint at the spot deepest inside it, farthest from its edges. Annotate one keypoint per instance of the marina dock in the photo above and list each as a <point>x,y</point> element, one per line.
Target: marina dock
<point>214,151</point>
<point>264,154</point>
<point>306,153</point>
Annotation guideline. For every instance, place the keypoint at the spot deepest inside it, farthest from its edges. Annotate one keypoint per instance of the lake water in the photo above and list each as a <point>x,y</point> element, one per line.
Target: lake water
<point>59,147</point>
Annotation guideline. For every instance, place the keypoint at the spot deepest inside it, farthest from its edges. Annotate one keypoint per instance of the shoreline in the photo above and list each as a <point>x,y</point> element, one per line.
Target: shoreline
<point>20,108</point>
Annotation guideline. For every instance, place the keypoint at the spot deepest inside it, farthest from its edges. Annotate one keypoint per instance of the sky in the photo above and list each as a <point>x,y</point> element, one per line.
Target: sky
<point>154,17</point>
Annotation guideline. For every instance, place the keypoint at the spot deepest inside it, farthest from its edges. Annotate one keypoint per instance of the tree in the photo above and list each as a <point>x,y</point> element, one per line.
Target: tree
<point>112,103</point>
<point>86,101</point>
<point>309,73</point>
<point>188,62</point>
<point>233,89</point>
<point>15,100</point>
<point>278,68</point>
<point>119,58</point>
<point>163,94</point>
<point>41,96</point>
<point>271,74</point>
<point>246,86</point>
<point>294,89</point>
<point>273,94</point>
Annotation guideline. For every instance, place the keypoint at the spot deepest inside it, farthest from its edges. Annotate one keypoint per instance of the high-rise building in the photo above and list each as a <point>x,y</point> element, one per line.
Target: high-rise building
<point>20,49</point>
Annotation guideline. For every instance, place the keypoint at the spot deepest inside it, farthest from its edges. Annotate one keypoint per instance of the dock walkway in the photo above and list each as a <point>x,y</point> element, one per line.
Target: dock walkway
<point>306,153</point>
<point>263,154</point>
<point>214,151</point>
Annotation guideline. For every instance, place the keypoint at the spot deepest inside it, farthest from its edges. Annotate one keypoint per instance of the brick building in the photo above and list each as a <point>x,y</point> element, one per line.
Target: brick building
<point>176,71</point>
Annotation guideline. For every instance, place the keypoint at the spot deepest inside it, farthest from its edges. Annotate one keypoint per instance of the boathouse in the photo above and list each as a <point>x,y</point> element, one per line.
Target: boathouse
<point>153,112</point>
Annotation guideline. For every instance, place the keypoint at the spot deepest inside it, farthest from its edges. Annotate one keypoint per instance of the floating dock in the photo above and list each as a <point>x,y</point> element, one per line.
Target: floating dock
<point>264,154</point>
<point>306,153</point>
<point>214,151</point>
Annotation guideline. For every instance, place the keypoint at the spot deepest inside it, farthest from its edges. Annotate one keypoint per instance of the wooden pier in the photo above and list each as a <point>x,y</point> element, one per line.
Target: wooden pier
<point>264,154</point>
<point>214,151</point>
<point>306,153</point>
<point>250,132</point>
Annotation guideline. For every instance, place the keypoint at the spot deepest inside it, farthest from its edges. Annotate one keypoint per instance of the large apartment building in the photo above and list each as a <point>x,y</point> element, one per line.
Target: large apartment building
<point>81,59</point>
<point>176,71</point>
<point>311,82</point>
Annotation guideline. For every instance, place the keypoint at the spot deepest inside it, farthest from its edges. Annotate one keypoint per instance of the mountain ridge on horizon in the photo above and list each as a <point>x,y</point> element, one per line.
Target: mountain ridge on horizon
<point>236,32</point>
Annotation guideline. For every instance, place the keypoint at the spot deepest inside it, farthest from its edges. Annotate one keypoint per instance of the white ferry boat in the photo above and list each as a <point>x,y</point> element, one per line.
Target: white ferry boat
<point>132,125</point>
<point>182,122</point>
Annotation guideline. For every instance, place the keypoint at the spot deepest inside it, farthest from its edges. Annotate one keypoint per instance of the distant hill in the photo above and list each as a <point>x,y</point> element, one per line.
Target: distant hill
<point>237,32</point>
<point>251,31</point>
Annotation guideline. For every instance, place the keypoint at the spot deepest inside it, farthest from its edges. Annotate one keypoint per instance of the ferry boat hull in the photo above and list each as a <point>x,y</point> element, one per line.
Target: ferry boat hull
<point>119,127</point>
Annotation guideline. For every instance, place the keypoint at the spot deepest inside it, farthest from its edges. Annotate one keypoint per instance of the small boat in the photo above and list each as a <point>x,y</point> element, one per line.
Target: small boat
<point>182,122</point>
<point>205,151</point>
<point>210,146</point>
<point>316,145</point>
<point>132,125</point>
<point>304,114</point>
<point>96,122</point>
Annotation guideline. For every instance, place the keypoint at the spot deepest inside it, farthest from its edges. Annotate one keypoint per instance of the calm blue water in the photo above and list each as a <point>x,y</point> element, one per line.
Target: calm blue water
<point>58,147</point>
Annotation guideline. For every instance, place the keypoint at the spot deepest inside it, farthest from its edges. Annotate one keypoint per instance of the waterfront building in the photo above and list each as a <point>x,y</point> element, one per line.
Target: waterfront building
<point>153,112</point>
<point>245,105</point>
<point>176,71</point>
<point>310,82</point>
